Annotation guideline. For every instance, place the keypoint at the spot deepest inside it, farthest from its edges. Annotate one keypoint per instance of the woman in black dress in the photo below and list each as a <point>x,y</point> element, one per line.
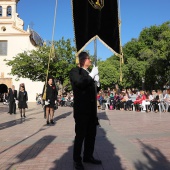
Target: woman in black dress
<point>22,100</point>
<point>51,99</point>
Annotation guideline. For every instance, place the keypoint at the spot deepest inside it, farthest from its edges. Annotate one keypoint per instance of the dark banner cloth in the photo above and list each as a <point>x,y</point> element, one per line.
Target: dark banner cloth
<point>89,22</point>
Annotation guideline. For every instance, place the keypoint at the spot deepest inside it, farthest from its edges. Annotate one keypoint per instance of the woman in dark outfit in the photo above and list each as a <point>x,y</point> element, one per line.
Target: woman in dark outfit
<point>51,99</point>
<point>22,100</point>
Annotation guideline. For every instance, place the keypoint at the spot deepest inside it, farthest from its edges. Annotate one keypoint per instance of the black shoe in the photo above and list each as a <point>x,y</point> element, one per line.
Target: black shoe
<point>21,115</point>
<point>48,122</point>
<point>78,166</point>
<point>52,121</point>
<point>92,160</point>
<point>24,116</point>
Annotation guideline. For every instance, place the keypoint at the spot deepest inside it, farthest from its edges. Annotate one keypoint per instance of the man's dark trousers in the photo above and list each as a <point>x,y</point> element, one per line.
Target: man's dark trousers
<point>85,129</point>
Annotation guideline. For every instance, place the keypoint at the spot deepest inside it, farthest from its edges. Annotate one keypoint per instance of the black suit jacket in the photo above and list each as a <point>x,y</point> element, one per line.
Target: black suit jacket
<point>85,97</point>
<point>12,95</point>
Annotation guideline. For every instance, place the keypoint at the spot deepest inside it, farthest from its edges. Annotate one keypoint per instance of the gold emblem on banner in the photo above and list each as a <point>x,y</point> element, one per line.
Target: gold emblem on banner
<point>97,4</point>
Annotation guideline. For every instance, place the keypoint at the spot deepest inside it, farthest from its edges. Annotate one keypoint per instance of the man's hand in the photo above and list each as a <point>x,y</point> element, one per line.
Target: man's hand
<point>96,78</point>
<point>94,72</point>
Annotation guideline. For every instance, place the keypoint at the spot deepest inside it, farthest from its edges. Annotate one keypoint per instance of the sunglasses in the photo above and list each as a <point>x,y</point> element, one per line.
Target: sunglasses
<point>88,58</point>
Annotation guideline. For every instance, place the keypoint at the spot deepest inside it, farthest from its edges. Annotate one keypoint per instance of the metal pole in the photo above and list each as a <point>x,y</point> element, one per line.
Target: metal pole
<point>95,51</point>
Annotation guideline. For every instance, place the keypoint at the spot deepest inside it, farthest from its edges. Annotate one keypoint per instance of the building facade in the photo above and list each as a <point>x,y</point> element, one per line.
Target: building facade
<point>13,40</point>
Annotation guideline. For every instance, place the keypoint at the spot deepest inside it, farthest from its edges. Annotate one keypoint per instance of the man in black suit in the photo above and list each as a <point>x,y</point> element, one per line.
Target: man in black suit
<point>12,99</point>
<point>85,110</point>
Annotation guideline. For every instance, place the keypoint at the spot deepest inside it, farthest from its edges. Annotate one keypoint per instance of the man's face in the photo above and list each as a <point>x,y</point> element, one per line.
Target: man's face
<point>87,62</point>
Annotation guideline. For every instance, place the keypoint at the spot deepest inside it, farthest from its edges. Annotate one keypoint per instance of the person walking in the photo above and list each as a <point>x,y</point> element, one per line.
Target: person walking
<point>85,110</point>
<point>12,99</point>
<point>22,101</point>
<point>9,89</point>
<point>51,100</point>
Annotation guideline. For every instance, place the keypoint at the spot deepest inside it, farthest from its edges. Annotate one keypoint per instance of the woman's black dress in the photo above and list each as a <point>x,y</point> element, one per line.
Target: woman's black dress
<point>22,100</point>
<point>51,95</point>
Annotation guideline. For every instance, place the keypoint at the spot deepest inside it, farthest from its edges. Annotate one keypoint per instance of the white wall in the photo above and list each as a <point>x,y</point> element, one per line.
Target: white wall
<point>18,42</point>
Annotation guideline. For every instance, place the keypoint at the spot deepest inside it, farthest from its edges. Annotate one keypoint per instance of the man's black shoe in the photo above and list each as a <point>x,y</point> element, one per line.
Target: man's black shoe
<point>78,166</point>
<point>92,160</point>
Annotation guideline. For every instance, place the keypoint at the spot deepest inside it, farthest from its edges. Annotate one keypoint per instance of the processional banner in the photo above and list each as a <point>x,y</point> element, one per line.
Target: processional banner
<point>96,18</point>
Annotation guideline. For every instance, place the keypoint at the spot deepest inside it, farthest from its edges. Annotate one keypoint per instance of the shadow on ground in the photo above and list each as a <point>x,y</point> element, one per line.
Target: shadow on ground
<point>63,116</point>
<point>156,159</point>
<point>33,151</point>
<point>13,123</point>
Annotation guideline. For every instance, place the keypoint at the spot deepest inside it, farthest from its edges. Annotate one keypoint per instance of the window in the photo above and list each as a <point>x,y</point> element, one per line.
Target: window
<point>3,47</point>
<point>9,12</point>
<point>0,11</point>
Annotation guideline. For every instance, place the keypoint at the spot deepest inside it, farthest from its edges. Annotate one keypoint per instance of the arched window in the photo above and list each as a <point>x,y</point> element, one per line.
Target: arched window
<point>0,11</point>
<point>9,11</point>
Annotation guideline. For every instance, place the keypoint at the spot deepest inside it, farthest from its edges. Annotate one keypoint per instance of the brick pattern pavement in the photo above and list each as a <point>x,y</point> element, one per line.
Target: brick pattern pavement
<point>125,140</point>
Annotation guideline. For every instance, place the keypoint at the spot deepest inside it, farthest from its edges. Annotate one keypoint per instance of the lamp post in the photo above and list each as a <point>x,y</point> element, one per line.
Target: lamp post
<point>143,83</point>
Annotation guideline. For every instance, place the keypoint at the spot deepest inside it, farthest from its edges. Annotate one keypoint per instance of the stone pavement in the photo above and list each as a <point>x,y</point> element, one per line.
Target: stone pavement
<point>126,140</point>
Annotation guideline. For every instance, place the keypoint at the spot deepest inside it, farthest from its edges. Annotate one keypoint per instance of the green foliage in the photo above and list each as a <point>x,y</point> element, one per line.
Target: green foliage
<point>109,74</point>
<point>148,57</point>
<point>33,64</point>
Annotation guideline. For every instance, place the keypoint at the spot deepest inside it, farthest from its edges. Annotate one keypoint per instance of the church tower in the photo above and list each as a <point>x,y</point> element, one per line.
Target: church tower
<point>13,40</point>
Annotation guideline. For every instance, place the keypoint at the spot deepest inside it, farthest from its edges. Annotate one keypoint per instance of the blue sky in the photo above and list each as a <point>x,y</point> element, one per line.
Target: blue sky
<point>135,16</point>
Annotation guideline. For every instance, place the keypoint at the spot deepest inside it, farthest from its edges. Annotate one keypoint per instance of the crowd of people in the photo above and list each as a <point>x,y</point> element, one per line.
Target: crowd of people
<point>63,100</point>
<point>131,99</point>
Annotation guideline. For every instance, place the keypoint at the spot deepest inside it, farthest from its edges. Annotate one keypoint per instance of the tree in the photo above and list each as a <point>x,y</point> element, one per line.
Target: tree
<point>109,71</point>
<point>148,57</point>
<point>33,64</point>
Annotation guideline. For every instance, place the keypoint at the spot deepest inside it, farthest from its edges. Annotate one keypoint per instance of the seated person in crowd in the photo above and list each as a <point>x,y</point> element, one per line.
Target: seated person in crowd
<point>161,100</point>
<point>154,102</point>
<point>100,99</point>
<point>116,101</point>
<point>139,99</point>
<point>167,99</point>
<point>131,98</point>
<point>63,100</point>
<point>123,99</point>
<point>111,99</point>
<point>146,102</point>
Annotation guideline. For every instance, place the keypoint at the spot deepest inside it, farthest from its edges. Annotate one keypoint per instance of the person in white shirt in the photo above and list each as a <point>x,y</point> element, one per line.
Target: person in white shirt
<point>167,99</point>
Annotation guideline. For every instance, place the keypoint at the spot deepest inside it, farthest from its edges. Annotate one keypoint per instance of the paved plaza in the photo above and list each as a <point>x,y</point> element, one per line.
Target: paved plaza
<point>126,140</point>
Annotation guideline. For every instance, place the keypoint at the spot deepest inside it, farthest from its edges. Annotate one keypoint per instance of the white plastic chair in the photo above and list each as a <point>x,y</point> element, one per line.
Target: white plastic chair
<point>107,104</point>
<point>133,106</point>
<point>167,105</point>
